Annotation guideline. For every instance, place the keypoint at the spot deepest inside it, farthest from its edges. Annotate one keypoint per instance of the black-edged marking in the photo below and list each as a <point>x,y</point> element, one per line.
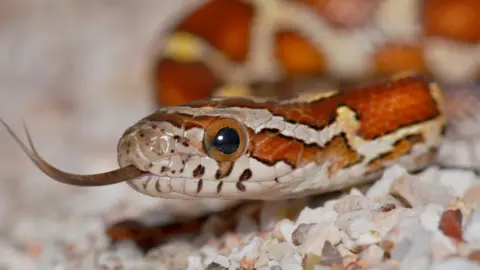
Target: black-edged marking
<point>199,171</point>
<point>240,186</point>
<point>199,185</point>
<point>219,187</point>
<point>246,174</point>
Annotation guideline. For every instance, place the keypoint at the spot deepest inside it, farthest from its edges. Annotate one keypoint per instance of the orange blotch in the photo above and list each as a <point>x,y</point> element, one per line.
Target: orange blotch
<point>381,108</point>
<point>298,56</point>
<point>178,83</point>
<point>393,58</point>
<point>271,147</point>
<point>459,19</point>
<point>223,23</point>
<point>385,107</point>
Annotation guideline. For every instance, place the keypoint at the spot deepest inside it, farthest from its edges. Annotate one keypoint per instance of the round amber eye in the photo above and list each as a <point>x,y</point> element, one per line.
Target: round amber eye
<point>225,139</point>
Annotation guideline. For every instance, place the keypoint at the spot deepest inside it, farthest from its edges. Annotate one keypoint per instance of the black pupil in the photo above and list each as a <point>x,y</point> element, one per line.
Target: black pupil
<point>227,141</point>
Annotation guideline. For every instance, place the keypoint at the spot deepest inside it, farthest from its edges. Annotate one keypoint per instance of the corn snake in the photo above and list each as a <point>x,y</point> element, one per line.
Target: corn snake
<point>425,132</point>
<point>242,148</point>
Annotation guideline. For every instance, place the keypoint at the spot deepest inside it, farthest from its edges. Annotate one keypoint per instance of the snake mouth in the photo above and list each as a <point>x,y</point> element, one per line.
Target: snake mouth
<point>102,179</point>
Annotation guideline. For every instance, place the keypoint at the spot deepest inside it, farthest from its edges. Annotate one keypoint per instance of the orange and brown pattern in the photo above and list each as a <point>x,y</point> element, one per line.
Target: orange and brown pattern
<point>382,108</point>
<point>400,148</point>
<point>435,39</point>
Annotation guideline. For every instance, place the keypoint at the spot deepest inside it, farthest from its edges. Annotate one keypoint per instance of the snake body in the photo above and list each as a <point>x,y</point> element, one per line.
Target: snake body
<point>241,148</point>
<point>281,149</point>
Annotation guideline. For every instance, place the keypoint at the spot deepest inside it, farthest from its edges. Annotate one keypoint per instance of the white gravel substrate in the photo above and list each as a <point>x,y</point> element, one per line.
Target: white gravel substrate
<point>402,222</point>
<point>429,220</point>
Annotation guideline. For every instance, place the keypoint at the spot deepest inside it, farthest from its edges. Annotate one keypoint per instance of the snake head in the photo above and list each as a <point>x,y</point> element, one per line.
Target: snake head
<point>197,156</point>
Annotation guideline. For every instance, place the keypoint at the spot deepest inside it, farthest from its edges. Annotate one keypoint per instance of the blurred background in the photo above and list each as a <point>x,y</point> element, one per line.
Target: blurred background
<point>80,72</point>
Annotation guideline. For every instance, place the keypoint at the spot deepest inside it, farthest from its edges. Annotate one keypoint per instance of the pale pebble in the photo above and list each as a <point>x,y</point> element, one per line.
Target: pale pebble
<point>277,251</point>
<point>417,193</point>
<point>471,232</point>
<point>301,233</point>
<point>413,252</point>
<point>344,251</point>
<point>194,263</point>
<point>317,236</point>
<point>287,231</point>
<point>292,262</point>
<point>373,254</point>
<point>458,181</point>
<point>234,265</point>
<point>262,261</point>
<point>343,221</point>
<point>443,246</point>
<point>430,217</point>
<point>222,260</point>
<point>348,242</point>
<point>455,263</point>
<point>352,203</point>
<point>309,215</point>
<point>387,220</point>
<point>381,187</point>
<point>252,249</point>
<point>472,197</point>
<point>404,230</point>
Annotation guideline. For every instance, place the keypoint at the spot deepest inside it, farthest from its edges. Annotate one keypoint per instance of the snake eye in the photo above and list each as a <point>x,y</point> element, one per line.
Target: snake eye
<point>225,139</point>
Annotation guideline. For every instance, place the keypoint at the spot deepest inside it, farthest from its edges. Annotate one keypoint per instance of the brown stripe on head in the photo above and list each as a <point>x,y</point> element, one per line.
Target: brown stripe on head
<point>182,120</point>
<point>401,147</point>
